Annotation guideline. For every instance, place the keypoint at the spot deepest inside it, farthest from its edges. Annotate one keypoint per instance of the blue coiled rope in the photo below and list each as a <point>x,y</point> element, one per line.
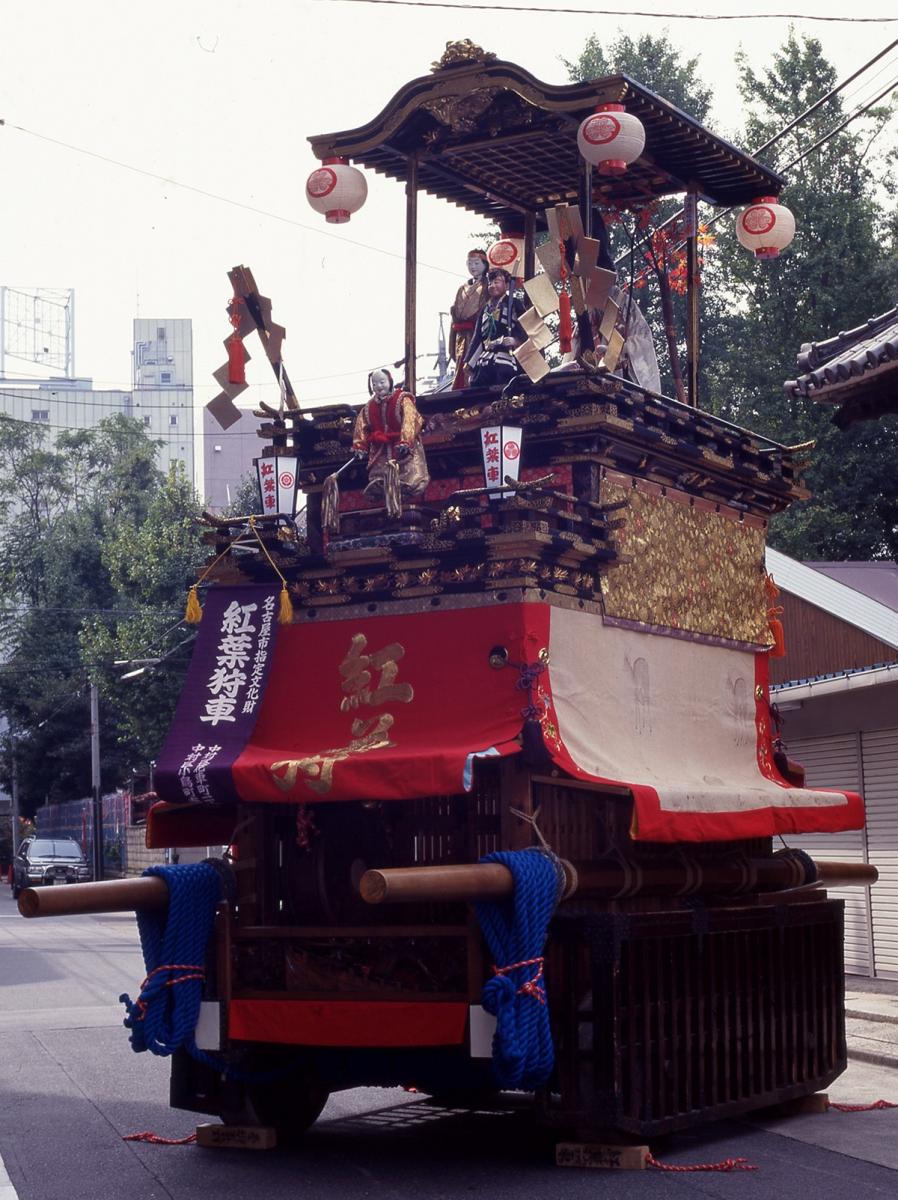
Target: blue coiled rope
<point>174,942</point>
<point>515,931</point>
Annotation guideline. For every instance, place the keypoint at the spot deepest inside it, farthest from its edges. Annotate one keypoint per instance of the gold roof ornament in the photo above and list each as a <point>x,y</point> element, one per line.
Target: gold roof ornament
<point>461,54</point>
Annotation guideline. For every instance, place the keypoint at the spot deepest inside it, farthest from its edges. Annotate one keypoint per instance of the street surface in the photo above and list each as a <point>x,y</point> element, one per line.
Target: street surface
<point>71,1087</point>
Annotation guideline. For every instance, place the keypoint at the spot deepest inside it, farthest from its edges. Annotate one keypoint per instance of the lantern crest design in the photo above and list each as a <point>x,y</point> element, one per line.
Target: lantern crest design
<point>337,190</point>
<point>611,138</point>
<point>507,253</point>
<point>765,227</point>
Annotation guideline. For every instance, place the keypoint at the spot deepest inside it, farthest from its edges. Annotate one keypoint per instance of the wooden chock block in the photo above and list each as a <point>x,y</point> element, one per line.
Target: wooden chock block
<point>609,1158</point>
<point>236,1137</point>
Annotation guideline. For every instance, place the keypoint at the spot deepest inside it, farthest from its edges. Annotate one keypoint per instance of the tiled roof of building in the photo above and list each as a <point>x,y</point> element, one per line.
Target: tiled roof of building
<point>858,370</point>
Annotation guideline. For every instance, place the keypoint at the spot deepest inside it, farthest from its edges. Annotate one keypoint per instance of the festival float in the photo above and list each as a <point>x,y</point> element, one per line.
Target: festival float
<point>489,735</point>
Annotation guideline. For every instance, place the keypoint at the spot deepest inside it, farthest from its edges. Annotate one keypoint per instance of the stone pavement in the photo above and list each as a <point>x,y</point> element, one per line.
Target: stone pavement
<point>871,1021</point>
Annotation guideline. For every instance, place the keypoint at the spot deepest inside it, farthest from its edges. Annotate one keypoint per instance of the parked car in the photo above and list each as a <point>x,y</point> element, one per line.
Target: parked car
<point>45,860</point>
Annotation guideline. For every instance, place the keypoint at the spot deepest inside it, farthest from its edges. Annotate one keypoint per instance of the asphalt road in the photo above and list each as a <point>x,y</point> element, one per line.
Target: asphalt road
<point>70,1088</point>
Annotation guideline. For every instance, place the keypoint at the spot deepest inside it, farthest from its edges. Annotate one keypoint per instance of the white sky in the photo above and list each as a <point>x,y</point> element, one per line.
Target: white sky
<point>221,95</point>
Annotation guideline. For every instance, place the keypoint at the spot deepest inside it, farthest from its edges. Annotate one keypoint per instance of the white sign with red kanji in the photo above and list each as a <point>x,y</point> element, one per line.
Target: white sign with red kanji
<point>501,445</point>
<point>266,469</point>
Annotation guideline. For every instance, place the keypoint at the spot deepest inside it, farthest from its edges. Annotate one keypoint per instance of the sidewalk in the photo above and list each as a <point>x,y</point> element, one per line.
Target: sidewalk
<point>871,1020</point>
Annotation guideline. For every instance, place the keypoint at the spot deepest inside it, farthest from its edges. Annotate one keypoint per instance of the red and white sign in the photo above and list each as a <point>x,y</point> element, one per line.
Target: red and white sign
<point>286,469</point>
<point>501,446</point>
<point>266,472</point>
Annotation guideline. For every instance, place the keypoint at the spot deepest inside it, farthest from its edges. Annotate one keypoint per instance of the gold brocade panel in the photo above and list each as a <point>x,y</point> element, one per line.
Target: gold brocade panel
<point>692,567</point>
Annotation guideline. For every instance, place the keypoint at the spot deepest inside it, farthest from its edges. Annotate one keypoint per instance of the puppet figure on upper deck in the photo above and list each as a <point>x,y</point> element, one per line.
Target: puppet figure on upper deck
<point>469,301</point>
<point>490,359</point>
<point>388,433</point>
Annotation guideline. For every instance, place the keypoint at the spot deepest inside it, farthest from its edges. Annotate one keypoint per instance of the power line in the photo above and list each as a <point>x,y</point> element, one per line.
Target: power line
<point>803,116</point>
<point>625,12</point>
<point>189,187</point>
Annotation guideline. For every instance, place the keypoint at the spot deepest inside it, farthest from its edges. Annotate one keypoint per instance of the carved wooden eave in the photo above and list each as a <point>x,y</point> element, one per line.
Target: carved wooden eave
<point>491,138</point>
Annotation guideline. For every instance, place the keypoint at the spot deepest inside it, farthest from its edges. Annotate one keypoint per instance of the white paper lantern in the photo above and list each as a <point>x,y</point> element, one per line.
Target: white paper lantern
<point>611,138</point>
<point>765,227</point>
<point>337,190</point>
<point>507,253</point>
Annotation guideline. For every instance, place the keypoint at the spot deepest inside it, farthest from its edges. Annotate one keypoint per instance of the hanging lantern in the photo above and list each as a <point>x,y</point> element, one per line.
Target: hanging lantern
<point>337,190</point>
<point>765,227</point>
<point>611,138</point>
<point>508,253</point>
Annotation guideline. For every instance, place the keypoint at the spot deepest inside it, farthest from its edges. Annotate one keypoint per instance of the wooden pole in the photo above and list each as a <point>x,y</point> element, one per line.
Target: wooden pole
<point>411,262</point>
<point>529,244</point>
<point>110,895</point>
<point>486,881</point>
<point>693,286</point>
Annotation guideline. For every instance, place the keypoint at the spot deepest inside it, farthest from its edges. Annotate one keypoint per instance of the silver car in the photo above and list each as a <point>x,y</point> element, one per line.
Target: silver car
<point>44,860</point>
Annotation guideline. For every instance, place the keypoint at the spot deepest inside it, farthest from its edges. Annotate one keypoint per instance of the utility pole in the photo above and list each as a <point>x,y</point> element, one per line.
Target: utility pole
<point>14,788</point>
<point>96,798</point>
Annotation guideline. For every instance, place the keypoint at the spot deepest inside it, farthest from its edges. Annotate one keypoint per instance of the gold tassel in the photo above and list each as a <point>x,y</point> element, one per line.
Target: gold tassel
<point>392,490</point>
<point>285,612</point>
<point>330,504</point>
<point>193,613</point>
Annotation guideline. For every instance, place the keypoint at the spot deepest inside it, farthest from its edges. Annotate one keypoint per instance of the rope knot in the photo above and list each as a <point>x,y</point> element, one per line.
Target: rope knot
<point>533,987</point>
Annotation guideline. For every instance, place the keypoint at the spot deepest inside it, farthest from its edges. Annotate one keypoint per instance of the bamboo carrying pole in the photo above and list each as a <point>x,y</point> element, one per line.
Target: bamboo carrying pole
<point>485,881</point>
<point>110,895</point>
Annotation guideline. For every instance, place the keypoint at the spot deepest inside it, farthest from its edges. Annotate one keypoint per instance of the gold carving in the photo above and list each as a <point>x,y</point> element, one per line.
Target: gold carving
<point>460,53</point>
<point>690,569</point>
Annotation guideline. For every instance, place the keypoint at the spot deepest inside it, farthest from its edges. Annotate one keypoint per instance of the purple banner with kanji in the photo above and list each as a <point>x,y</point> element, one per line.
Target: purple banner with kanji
<point>222,695</point>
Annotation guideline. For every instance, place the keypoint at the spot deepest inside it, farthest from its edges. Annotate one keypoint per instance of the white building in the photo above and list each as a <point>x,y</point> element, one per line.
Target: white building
<point>161,395</point>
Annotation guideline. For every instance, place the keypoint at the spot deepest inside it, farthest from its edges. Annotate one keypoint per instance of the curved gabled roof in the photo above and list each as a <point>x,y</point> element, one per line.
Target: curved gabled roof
<point>491,138</point>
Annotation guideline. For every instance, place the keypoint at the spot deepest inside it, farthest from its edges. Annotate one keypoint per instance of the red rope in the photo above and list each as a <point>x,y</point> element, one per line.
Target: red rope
<point>157,1140</point>
<point>848,1108</point>
<point>533,986</point>
<point>728,1164</point>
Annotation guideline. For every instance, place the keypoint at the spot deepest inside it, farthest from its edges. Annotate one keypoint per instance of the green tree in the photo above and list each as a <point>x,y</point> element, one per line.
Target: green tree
<point>840,270</point>
<point>149,566</point>
<point>652,60</point>
<point>64,509</point>
<point>655,62</point>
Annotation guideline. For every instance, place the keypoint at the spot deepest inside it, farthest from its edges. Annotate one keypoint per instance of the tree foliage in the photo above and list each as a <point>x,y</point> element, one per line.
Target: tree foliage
<point>652,60</point>
<point>96,547</point>
<point>841,269</point>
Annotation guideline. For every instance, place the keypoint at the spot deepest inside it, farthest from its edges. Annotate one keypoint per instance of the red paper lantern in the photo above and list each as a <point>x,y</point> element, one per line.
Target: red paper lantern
<point>765,227</point>
<point>508,253</point>
<point>611,138</point>
<point>337,190</point>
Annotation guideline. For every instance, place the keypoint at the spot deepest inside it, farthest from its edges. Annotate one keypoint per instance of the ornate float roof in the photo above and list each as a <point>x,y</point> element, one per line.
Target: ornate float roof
<point>856,370</point>
<point>491,138</point>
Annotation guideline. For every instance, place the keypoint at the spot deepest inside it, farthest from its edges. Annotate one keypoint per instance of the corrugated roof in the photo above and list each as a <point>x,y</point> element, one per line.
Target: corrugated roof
<point>878,580</point>
<point>837,681</point>
<point>833,597</point>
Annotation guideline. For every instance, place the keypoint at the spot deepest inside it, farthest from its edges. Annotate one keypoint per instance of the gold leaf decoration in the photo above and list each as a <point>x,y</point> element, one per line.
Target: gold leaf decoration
<point>691,568</point>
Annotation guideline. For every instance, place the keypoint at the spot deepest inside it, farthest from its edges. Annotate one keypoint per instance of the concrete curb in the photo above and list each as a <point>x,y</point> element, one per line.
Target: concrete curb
<point>871,1056</point>
<point>859,1014</point>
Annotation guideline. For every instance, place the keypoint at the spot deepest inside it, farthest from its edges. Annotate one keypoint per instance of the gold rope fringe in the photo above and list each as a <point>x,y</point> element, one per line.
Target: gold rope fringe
<point>392,490</point>
<point>285,611</point>
<point>330,504</point>
<point>193,613</point>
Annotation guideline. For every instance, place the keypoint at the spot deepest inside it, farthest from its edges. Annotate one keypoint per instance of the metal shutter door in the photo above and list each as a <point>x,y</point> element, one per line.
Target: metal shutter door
<point>880,757</point>
<point>834,762</point>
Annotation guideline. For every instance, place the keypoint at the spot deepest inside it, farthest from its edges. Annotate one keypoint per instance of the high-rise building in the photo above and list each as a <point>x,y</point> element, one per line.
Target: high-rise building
<point>161,395</point>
